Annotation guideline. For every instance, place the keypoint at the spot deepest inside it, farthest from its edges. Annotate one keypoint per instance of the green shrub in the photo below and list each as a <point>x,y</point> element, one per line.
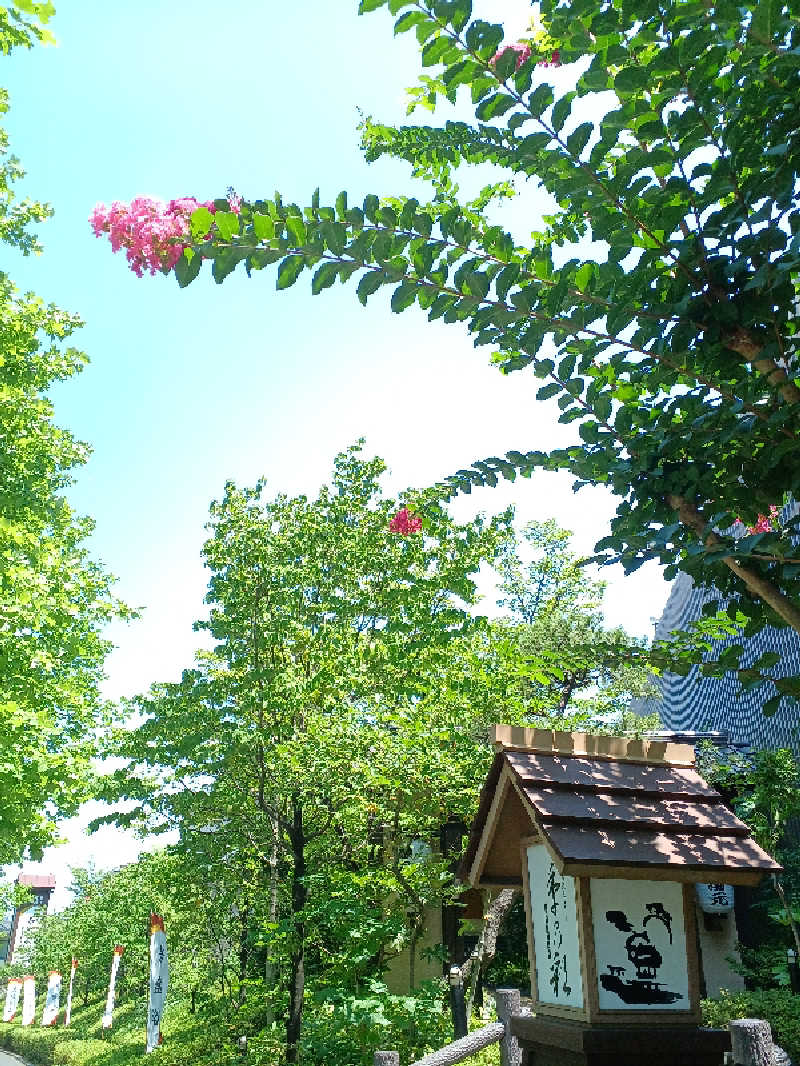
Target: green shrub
<point>777,1005</point>
<point>80,1052</point>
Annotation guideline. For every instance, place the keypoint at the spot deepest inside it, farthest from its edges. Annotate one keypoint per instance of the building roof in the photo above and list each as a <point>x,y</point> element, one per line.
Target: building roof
<point>37,880</point>
<point>606,807</point>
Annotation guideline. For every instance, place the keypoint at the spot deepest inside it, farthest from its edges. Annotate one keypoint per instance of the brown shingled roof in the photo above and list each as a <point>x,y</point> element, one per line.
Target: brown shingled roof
<point>606,807</point>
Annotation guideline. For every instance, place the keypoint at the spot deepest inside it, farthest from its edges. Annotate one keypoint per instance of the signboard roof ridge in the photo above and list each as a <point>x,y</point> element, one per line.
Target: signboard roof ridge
<point>591,745</point>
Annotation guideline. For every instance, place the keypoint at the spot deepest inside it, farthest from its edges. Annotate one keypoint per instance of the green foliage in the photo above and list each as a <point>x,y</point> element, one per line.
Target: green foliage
<point>190,1039</point>
<point>778,1006</point>
<point>657,303</point>
<point>55,600</point>
<point>114,908</point>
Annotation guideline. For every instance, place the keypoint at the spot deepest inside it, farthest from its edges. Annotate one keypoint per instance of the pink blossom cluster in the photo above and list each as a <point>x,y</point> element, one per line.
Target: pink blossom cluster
<point>404,522</point>
<point>524,53</point>
<point>765,523</point>
<point>153,234</point>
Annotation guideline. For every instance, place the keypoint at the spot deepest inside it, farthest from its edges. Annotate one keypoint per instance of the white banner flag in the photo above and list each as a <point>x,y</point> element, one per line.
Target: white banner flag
<point>28,999</point>
<point>159,977</point>
<point>72,969</point>
<point>12,998</point>
<point>112,986</point>
<point>53,1001</point>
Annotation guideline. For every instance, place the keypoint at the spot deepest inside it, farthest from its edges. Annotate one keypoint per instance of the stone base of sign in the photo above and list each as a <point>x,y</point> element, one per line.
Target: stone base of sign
<point>547,1042</point>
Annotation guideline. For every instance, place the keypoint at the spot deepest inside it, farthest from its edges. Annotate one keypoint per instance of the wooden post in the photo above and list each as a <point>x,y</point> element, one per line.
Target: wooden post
<point>507,1001</point>
<point>751,1042</point>
<point>458,1004</point>
<point>386,1058</point>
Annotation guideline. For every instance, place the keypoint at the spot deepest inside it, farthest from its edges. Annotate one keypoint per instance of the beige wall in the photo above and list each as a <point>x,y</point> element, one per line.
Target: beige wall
<point>715,946</point>
<point>398,975</point>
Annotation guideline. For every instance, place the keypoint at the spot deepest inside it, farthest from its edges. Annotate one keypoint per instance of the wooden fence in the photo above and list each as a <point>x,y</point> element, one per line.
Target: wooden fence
<point>751,1041</point>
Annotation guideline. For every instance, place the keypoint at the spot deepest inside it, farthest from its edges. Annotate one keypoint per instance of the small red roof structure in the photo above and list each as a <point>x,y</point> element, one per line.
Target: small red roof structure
<point>37,880</point>
<point>605,807</point>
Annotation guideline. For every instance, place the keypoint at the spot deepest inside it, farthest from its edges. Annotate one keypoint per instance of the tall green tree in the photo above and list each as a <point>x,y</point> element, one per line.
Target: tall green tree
<point>657,301</point>
<point>54,600</point>
<point>283,744</point>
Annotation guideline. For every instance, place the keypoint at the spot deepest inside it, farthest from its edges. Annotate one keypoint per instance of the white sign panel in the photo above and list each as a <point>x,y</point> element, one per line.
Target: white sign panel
<point>28,1000</point>
<point>68,1012</point>
<point>112,987</point>
<point>53,1001</point>
<point>640,945</point>
<point>555,931</point>
<point>12,998</point>
<point>159,978</point>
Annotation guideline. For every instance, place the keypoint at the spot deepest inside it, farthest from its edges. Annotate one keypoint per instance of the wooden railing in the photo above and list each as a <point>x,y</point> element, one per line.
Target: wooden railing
<point>751,1041</point>
<point>507,1001</point>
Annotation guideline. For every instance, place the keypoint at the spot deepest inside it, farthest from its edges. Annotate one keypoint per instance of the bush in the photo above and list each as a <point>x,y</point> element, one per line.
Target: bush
<point>777,1005</point>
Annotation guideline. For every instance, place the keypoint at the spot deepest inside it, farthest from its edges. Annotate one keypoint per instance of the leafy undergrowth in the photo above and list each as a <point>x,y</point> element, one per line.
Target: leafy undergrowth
<point>780,1008</point>
<point>334,1034</point>
<point>188,1039</point>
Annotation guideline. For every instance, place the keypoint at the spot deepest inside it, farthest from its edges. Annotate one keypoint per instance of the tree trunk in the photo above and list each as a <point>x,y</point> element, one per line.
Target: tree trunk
<point>244,952</point>
<point>294,1018</point>
<point>486,947</point>
<point>270,972</point>
<point>759,586</point>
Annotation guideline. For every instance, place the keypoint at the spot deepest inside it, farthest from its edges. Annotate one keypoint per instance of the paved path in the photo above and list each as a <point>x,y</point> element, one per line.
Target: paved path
<point>8,1059</point>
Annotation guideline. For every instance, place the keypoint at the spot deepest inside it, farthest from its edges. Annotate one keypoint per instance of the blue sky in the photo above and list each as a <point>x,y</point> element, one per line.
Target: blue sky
<point>188,388</point>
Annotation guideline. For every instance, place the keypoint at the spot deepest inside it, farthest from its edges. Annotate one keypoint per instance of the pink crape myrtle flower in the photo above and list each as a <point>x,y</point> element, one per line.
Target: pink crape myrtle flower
<point>404,522</point>
<point>153,234</point>
<point>524,53</point>
<point>765,523</point>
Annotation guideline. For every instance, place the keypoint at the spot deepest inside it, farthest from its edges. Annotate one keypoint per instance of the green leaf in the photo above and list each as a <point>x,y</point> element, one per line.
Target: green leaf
<point>289,271</point>
<point>200,223</point>
<point>579,138</point>
<point>435,49</point>
<point>324,277</point>
<point>631,80</point>
<point>546,392</point>
<point>188,267</point>
<point>409,20</point>
<point>494,105</point>
<point>540,99</point>
<point>561,111</point>
<point>263,227</point>
<point>369,283</point>
<point>297,229</point>
<point>403,296</point>
<point>227,224</point>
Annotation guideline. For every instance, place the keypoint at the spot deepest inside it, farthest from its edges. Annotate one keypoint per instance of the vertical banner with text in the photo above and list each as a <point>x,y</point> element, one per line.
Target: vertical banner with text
<point>112,986</point>
<point>53,1001</point>
<point>159,977</point>
<point>72,969</point>
<point>28,999</point>
<point>12,998</point>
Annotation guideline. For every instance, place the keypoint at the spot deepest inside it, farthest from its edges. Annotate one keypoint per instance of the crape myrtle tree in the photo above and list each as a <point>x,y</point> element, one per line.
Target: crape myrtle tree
<point>657,303</point>
<point>54,601</point>
<point>328,615</point>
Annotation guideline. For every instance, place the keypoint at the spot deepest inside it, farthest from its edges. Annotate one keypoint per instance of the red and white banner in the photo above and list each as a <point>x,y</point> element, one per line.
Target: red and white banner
<point>159,977</point>
<point>72,969</point>
<point>53,1002</point>
<point>112,986</point>
<point>12,998</point>
<point>28,999</point>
